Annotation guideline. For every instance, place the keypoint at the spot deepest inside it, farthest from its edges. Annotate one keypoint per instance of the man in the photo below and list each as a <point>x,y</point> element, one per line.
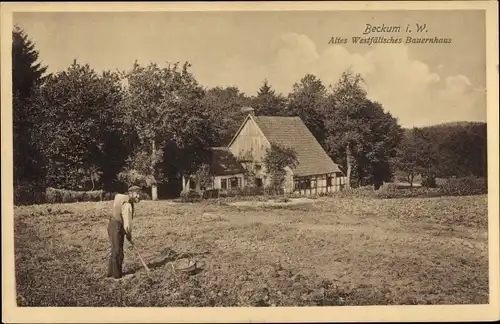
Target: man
<point>120,226</point>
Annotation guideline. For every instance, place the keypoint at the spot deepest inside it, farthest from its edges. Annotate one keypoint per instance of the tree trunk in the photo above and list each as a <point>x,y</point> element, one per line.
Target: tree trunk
<point>183,183</point>
<point>154,189</point>
<point>349,167</point>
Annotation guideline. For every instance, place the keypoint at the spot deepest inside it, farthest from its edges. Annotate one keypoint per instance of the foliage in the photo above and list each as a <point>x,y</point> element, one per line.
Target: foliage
<point>163,105</point>
<point>398,193</point>
<point>378,147</point>
<point>190,196</point>
<point>203,177</point>
<point>447,150</point>
<point>28,195</point>
<point>268,102</point>
<point>247,160</point>
<point>82,130</point>
<point>415,155</point>
<point>460,149</point>
<point>68,196</point>
<point>307,101</point>
<point>360,136</point>
<point>77,133</point>
<point>137,169</point>
<point>275,161</point>
<point>224,106</point>
<point>429,181</point>
<point>465,186</point>
<point>27,74</point>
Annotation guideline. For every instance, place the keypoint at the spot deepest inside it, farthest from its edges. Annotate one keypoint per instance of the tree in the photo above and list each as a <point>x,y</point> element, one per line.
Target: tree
<point>415,154</point>
<point>307,101</point>
<point>343,120</point>
<point>267,102</point>
<point>163,107</point>
<point>380,142</point>
<point>202,177</point>
<point>137,168</point>
<point>275,161</point>
<point>224,105</point>
<point>27,72</point>
<point>460,148</point>
<point>27,75</point>
<point>359,134</point>
<point>77,132</point>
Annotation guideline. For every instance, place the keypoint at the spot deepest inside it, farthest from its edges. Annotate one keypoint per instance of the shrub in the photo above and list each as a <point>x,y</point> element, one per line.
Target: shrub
<point>143,196</point>
<point>360,192</point>
<point>418,192</point>
<point>429,182</point>
<point>109,195</point>
<point>465,186</point>
<point>252,191</point>
<point>210,193</point>
<point>235,192</point>
<point>190,196</point>
<point>388,190</point>
<point>28,195</point>
<point>53,195</point>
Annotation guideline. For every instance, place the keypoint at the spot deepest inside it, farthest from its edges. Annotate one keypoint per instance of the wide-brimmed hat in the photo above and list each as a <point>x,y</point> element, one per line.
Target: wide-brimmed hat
<point>134,189</point>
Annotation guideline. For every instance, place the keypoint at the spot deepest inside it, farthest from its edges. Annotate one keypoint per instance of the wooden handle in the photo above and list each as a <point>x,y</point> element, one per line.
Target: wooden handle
<point>140,258</point>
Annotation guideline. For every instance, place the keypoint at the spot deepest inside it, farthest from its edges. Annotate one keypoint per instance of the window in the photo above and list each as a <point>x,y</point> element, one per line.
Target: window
<point>307,183</point>
<point>312,183</point>
<point>235,182</point>
<point>258,182</point>
<point>223,183</point>
<point>258,167</point>
<point>303,184</point>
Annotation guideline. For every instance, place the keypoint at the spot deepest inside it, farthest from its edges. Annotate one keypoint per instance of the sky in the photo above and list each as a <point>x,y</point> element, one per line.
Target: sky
<point>420,84</point>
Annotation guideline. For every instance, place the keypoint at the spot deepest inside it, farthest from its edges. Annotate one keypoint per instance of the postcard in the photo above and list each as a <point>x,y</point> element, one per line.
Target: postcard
<point>250,162</point>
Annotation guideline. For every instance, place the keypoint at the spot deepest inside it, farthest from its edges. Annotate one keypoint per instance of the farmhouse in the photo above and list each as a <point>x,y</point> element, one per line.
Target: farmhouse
<point>314,173</point>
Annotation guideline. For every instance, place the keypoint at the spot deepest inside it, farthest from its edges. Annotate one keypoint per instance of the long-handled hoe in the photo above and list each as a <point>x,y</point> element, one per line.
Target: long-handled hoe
<point>148,272</point>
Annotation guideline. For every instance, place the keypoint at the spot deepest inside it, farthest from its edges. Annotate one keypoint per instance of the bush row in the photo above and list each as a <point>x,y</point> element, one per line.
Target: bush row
<point>194,196</point>
<point>25,195</point>
<point>28,195</point>
<point>463,186</point>
<point>54,195</point>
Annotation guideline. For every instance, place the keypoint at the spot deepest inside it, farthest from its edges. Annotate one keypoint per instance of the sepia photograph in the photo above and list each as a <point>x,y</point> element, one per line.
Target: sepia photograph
<point>216,156</point>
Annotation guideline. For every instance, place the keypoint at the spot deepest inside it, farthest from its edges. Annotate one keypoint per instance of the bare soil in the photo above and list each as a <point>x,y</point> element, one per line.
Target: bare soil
<point>330,251</point>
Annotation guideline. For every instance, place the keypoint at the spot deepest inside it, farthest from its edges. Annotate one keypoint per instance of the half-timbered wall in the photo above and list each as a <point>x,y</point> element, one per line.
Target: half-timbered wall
<point>318,184</point>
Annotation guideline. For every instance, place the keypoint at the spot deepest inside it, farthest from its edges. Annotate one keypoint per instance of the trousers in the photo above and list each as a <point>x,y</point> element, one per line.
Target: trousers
<point>116,235</point>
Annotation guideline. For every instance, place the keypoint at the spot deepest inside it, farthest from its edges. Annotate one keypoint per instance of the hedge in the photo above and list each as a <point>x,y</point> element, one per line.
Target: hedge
<point>25,195</point>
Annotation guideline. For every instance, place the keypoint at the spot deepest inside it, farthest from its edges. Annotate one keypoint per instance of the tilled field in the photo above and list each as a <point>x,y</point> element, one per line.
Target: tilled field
<point>341,251</point>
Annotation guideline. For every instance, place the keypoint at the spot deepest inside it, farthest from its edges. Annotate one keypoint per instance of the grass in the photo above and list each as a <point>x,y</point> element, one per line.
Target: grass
<point>334,251</point>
